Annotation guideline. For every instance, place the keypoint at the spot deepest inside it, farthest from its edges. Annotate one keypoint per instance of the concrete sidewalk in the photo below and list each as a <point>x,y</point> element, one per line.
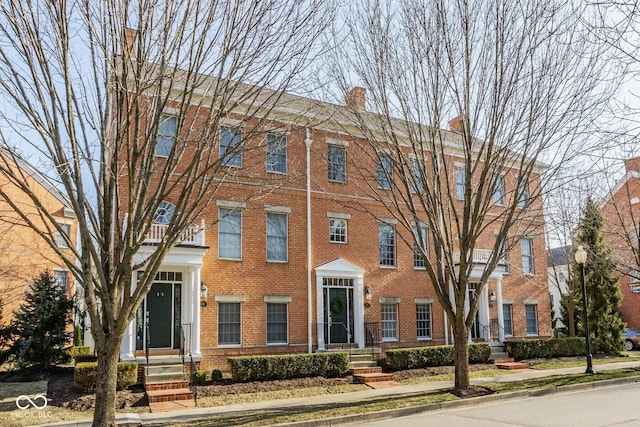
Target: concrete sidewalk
<point>308,403</point>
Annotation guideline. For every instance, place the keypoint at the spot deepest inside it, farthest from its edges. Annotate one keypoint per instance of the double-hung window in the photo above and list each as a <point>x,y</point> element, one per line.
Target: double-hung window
<point>277,323</point>
<point>229,323</point>
<point>230,234</point>
<point>526,246</point>
<point>337,163</point>
<point>385,171</point>
<point>460,183</point>
<point>65,230</point>
<point>167,132</point>
<point>531,314</point>
<point>62,279</point>
<point>507,317</point>
<point>230,149</point>
<point>417,184</point>
<point>420,243</point>
<point>523,195</point>
<point>423,321</point>
<point>387,242</point>
<point>276,154</point>
<point>276,237</point>
<point>498,191</point>
<point>389,322</point>
<point>337,230</point>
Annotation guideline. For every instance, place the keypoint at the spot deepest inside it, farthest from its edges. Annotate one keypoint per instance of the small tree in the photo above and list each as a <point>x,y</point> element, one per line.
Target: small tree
<point>603,288</point>
<point>40,324</point>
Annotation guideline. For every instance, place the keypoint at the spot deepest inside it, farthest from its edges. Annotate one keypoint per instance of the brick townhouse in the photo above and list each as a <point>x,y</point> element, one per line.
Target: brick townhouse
<point>23,253</point>
<point>301,268</point>
<point>621,210</point>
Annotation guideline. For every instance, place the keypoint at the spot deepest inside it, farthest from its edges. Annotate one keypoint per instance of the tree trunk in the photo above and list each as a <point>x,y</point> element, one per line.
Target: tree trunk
<point>461,356</point>
<point>106,381</point>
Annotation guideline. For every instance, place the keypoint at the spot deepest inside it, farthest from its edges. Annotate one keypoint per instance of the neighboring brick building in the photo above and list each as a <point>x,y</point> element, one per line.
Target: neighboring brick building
<point>23,253</point>
<point>271,287</point>
<point>622,227</point>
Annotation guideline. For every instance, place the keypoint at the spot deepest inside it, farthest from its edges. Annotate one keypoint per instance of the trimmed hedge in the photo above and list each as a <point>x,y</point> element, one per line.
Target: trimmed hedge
<point>85,375</point>
<point>80,358</point>
<point>279,367</point>
<point>553,347</point>
<point>441,355</point>
<point>77,350</point>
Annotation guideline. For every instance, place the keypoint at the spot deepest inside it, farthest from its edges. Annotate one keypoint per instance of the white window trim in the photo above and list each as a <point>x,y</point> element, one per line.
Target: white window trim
<point>277,261</point>
<point>230,204</point>
<point>346,230</point>
<point>277,209</point>
<point>230,298</point>
<point>278,299</point>
<point>218,322</point>
<point>241,230</point>
<point>430,304</point>
<point>275,344</point>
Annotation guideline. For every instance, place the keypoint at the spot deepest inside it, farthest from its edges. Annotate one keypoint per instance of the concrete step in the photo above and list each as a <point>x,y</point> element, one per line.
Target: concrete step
<point>170,395</point>
<point>360,357</point>
<point>164,369</point>
<point>512,365</point>
<point>164,378</point>
<point>499,356</point>
<point>373,377</point>
<point>363,364</point>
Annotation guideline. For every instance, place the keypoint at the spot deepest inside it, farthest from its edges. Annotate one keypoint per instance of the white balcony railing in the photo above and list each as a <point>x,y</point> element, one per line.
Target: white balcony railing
<point>192,236</point>
<point>479,256</point>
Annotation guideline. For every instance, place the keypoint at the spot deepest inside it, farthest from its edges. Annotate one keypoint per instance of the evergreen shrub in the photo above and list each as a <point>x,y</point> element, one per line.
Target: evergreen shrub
<point>86,373</point>
<point>430,356</point>
<point>279,367</point>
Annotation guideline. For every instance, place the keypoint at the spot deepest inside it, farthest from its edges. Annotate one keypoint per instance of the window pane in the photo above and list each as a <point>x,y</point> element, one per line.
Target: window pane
<point>276,154</point>
<point>523,195</point>
<point>276,237</point>
<point>460,183</point>
<point>167,131</point>
<point>385,172</point>
<point>276,323</point>
<point>417,186</point>
<point>498,191</point>
<point>387,242</point>
<point>532,319</point>
<point>526,246</point>
<point>338,230</point>
<point>60,240</point>
<point>508,323</point>
<point>423,320</point>
<point>337,164</point>
<point>418,260</point>
<point>61,278</point>
<point>230,150</point>
<point>230,234</point>
<point>228,323</point>
<point>389,321</point>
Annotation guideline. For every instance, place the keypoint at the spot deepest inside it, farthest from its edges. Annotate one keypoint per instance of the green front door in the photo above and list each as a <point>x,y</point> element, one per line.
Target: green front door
<point>159,303</point>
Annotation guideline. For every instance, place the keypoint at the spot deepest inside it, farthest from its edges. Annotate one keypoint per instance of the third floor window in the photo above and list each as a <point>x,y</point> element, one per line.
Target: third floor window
<point>276,154</point>
<point>337,163</point>
<point>230,149</point>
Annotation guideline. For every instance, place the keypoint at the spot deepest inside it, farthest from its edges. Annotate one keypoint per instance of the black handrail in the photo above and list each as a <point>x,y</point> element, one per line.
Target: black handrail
<point>185,345</point>
<point>147,340</point>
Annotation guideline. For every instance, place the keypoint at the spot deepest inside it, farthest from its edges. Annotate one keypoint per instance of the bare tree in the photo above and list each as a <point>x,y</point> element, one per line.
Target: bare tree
<point>123,119</point>
<point>524,83</point>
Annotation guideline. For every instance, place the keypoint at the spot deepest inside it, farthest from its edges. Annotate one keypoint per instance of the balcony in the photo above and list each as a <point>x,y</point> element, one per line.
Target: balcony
<point>479,259</point>
<point>192,236</point>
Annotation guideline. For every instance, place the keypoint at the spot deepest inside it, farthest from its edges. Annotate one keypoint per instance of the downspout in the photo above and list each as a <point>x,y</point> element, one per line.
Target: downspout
<point>308,142</point>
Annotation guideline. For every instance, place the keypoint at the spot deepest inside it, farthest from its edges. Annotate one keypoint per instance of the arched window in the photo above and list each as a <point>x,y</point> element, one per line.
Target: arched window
<point>164,213</point>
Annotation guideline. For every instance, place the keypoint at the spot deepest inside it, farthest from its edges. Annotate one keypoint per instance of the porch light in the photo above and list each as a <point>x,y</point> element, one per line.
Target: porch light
<point>367,293</point>
<point>581,258</point>
<point>204,291</point>
<point>492,298</point>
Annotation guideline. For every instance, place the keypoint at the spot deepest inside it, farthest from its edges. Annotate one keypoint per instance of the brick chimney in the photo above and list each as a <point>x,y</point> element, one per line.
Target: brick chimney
<point>356,98</point>
<point>456,124</point>
<point>129,42</point>
<point>632,164</point>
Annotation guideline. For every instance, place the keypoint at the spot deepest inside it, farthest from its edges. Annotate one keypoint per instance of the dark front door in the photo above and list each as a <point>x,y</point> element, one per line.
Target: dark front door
<point>159,303</point>
<point>338,315</point>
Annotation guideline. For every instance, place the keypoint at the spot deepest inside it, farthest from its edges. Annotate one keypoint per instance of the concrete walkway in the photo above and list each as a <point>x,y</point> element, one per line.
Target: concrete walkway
<point>365,395</point>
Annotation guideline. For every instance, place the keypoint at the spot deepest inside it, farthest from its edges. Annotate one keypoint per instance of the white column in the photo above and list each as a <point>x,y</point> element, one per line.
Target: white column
<point>467,308</point>
<point>319,312</point>
<point>358,309</point>
<point>195,319</point>
<point>500,310</point>
<point>483,308</point>
<point>128,344</point>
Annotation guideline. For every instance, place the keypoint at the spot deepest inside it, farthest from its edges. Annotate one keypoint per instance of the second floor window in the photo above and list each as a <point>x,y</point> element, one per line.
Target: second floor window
<point>526,246</point>
<point>276,154</point>
<point>65,230</point>
<point>167,132</point>
<point>460,183</point>
<point>164,213</point>
<point>387,242</point>
<point>419,241</point>
<point>337,163</point>
<point>498,191</point>
<point>338,231</point>
<point>230,234</point>
<point>276,237</point>
<point>230,152</point>
<point>385,171</point>
<point>423,321</point>
<point>61,278</point>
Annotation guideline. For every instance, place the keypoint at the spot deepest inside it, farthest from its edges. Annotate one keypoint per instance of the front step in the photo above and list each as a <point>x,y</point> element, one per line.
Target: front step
<point>164,384</point>
<point>374,377</point>
<point>169,395</point>
<point>512,365</point>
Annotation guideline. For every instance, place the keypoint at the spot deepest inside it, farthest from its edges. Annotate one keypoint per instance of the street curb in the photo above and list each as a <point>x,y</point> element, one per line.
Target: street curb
<point>473,401</point>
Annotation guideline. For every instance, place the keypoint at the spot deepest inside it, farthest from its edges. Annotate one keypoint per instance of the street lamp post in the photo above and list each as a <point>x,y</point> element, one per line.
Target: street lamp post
<point>581,258</point>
